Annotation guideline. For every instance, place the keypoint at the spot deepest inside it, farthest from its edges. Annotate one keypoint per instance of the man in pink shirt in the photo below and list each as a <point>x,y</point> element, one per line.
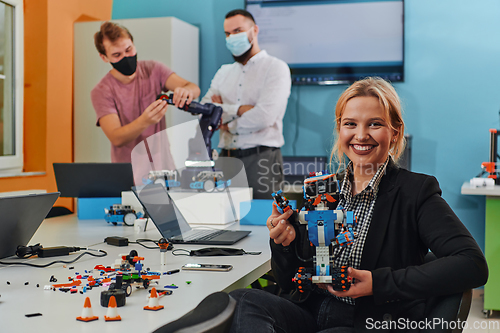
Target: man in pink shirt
<point>125,99</point>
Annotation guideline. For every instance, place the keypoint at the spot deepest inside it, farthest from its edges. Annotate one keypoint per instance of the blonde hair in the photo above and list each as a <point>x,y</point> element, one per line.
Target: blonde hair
<point>389,100</point>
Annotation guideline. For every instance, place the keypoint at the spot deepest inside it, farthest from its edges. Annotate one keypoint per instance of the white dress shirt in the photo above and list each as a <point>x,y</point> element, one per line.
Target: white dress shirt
<point>263,82</point>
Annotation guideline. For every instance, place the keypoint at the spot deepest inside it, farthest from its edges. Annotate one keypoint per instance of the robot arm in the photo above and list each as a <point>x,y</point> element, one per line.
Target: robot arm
<point>210,118</point>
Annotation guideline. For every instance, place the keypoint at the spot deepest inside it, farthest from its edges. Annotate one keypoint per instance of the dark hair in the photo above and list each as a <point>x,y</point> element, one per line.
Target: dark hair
<point>112,32</point>
<point>242,12</point>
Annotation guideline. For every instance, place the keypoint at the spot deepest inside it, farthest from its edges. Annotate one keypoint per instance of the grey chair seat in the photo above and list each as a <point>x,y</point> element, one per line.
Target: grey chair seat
<point>214,314</point>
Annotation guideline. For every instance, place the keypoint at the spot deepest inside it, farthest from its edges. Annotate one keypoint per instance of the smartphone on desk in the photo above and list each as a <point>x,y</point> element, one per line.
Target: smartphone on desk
<point>207,267</point>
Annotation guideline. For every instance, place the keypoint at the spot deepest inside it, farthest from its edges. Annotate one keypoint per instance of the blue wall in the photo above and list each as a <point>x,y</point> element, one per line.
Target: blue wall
<point>208,15</point>
<point>451,94</point>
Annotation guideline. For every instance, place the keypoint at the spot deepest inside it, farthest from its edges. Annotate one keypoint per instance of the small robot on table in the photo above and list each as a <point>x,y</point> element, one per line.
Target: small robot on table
<point>328,226</point>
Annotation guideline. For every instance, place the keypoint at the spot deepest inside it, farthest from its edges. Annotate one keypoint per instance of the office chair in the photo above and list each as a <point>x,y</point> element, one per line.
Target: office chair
<point>214,314</point>
<point>271,286</point>
<point>448,307</point>
<point>58,211</point>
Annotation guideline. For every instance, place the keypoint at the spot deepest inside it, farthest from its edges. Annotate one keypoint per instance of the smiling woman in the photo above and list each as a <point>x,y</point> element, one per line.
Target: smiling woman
<point>369,128</point>
<point>400,216</point>
<point>365,136</point>
<point>384,101</point>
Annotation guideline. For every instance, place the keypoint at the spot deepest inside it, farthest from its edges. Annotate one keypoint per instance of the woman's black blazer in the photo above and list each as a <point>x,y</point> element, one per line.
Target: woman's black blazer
<point>410,218</point>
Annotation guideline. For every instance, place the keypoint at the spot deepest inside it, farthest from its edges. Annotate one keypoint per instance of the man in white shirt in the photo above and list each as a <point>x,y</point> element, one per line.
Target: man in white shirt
<point>253,93</point>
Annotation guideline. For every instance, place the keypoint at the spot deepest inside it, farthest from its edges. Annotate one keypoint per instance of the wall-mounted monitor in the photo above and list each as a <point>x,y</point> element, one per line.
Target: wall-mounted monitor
<point>329,42</point>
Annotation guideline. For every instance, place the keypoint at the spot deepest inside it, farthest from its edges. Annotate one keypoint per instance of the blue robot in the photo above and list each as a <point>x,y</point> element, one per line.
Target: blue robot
<point>328,226</point>
<point>121,213</point>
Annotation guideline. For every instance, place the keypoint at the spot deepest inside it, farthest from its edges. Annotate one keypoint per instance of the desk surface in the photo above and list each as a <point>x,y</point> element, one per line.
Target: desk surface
<point>59,310</point>
<point>471,190</point>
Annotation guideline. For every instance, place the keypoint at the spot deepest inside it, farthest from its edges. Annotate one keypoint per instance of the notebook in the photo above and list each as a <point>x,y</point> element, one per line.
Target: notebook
<point>21,217</point>
<point>171,223</point>
<point>93,180</point>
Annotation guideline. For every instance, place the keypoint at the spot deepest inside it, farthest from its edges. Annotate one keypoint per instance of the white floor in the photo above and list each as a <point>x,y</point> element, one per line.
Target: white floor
<point>477,321</point>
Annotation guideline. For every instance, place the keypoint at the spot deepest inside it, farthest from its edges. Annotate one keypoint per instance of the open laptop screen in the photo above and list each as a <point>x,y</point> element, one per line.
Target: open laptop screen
<point>162,210</point>
<point>21,217</point>
<point>93,180</point>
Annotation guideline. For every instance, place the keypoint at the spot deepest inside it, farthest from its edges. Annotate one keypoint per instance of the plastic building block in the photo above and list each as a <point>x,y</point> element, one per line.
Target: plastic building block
<point>328,226</point>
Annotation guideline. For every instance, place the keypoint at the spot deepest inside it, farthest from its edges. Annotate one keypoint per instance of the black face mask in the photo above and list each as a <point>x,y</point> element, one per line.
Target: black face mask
<point>126,66</point>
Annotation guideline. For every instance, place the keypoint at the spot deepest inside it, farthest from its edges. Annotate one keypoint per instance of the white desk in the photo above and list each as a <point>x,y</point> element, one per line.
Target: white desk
<point>59,310</point>
<point>491,243</point>
<point>472,190</point>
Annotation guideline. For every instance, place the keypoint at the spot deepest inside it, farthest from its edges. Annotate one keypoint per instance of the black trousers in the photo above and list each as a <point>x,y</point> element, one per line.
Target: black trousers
<point>264,172</point>
<point>260,311</point>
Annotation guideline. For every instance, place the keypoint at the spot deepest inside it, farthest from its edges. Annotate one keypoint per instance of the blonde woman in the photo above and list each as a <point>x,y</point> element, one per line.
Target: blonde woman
<point>401,216</point>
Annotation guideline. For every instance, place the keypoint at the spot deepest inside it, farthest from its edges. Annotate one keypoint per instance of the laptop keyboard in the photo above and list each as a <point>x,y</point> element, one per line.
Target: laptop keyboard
<point>203,234</point>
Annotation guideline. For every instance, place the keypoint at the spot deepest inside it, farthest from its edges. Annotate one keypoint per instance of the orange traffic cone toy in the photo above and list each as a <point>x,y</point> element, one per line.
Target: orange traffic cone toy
<point>112,314</point>
<point>87,314</point>
<point>153,304</point>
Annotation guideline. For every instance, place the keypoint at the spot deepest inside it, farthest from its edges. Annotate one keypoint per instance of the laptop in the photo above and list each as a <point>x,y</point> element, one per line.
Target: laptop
<point>171,223</point>
<point>93,180</point>
<point>21,217</point>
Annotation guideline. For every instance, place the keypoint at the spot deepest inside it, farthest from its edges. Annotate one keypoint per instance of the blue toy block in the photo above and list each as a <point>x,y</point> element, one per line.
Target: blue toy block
<point>93,208</point>
<point>327,216</point>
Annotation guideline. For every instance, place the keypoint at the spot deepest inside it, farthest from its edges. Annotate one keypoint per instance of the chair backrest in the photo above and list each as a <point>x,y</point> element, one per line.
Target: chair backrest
<point>297,168</point>
<point>452,309</point>
<point>214,314</point>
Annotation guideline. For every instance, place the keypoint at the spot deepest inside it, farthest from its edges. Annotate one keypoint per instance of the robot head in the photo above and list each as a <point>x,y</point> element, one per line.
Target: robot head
<point>320,183</point>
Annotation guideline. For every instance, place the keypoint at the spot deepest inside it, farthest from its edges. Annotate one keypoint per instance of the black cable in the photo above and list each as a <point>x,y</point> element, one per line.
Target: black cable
<point>183,254</point>
<point>103,254</point>
<point>297,232</point>
<point>28,251</point>
<point>481,174</point>
<point>139,241</point>
<point>310,259</point>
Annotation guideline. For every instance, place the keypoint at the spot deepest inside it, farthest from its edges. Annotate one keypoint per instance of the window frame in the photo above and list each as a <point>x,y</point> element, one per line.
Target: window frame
<point>14,163</point>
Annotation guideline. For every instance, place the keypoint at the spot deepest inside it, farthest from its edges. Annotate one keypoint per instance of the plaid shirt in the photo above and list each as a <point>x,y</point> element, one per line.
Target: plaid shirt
<point>362,204</point>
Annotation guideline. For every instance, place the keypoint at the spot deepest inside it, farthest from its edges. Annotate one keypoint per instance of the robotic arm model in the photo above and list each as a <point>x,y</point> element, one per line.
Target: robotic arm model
<point>200,173</point>
<point>209,121</point>
<point>328,226</point>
